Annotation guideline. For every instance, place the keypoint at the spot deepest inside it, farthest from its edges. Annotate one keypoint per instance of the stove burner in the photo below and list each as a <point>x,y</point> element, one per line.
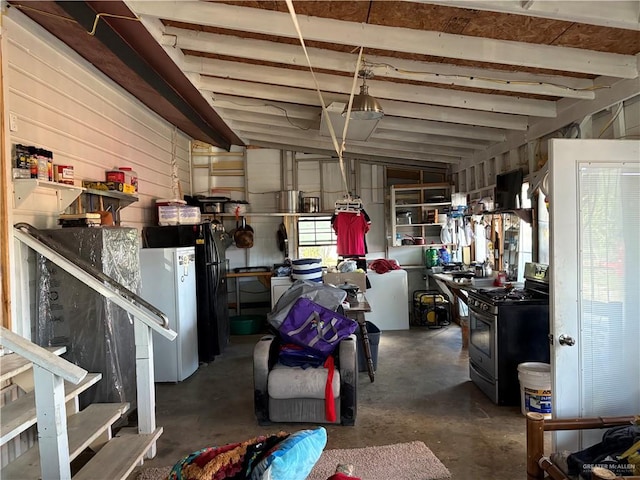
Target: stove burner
<point>503,294</point>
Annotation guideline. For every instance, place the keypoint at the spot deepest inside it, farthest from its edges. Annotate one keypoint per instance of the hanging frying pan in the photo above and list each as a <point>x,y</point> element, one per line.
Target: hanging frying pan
<point>243,235</point>
<point>283,242</point>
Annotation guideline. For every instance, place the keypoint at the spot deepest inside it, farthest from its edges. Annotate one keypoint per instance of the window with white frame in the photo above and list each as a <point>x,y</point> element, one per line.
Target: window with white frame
<point>316,239</point>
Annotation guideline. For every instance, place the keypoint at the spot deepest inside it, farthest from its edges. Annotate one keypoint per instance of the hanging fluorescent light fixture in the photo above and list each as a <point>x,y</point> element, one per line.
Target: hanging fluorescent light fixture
<point>364,107</point>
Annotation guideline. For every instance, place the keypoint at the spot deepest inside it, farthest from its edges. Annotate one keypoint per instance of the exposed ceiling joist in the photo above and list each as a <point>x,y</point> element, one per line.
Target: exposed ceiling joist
<point>458,84</point>
<point>381,90</point>
<point>354,151</point>
<point>250,130</point>
<point>177,39</point>
<point>393,39</point>
<point>441,128</point>
<point>393,108</point>
<point>368,156</point>
<point>385,134</point>
<point>573,112</point>
<point>234,106</point>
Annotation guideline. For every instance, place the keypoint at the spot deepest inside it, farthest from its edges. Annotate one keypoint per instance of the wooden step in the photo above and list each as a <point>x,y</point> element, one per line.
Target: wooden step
<point>82,429</point>
<point>117,459</point>
<point>20,414</point>
<point>14,364</point>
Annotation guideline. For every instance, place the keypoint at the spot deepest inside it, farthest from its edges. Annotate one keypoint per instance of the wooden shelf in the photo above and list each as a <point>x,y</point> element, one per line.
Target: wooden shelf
<point>403,225</point>
<point>23,188</point>
<point>422,186</point>
<point>420,205</point>
<point>426,211</point>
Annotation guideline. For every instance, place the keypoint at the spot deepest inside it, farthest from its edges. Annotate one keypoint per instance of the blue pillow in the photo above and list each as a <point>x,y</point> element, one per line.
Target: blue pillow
<point>294,457</point>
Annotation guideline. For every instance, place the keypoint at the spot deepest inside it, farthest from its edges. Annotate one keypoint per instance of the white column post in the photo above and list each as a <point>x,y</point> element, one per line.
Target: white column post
<point>145,381</point>
<point>52,425</point>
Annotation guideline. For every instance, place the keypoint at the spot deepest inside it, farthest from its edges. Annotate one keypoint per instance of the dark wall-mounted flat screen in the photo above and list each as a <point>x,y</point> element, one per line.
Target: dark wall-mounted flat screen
<point>508,190</point>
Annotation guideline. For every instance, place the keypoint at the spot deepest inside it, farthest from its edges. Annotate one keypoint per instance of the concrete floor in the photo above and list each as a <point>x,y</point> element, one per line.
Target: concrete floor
<point>422,392</point>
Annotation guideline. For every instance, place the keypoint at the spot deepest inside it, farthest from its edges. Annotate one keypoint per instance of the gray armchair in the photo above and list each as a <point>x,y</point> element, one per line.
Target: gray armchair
<point>292,394</point>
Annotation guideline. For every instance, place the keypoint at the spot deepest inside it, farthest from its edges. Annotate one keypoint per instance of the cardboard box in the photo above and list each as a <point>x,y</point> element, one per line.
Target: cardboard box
<point>63,174</point>
<point>357,278</point>
<point>168,215</point>
<point>115,186</point>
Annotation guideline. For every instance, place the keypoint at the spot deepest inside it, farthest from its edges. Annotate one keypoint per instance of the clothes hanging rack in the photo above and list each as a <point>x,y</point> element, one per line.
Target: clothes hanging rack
<point>349,204</point>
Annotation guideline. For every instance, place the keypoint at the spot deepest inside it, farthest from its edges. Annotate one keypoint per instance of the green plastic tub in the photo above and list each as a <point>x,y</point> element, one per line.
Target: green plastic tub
<point>246,324</point>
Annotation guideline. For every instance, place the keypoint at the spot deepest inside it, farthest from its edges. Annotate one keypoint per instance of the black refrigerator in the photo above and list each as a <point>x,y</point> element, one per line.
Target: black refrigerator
<point>211,282</point>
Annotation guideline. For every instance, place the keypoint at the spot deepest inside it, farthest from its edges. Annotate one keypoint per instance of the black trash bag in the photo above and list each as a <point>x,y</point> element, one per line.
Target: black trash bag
<point>605,454</point>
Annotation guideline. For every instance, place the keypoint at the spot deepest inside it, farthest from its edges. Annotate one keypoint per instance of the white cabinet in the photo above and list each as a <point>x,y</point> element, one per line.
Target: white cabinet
<point>279,285</point>
<point>389,300</point>
<point>419,210</point>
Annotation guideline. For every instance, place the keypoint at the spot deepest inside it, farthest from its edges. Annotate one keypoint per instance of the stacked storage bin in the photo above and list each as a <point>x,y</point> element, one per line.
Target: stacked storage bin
<point>307,269</point>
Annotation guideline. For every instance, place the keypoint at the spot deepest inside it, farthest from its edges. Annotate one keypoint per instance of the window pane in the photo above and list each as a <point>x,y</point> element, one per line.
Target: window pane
<point>609,263</point>
<point>315,231</point>
<point>316,239</point>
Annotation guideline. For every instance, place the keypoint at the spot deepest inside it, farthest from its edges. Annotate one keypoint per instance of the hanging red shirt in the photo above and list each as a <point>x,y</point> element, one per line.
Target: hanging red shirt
<point>350,229</point>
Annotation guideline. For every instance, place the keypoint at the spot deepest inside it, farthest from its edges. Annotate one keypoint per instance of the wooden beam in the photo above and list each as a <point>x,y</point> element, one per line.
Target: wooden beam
<point>52,424</point>
<point>392,38</point>
<point>211,87</point>
<point>380,89</point>
<point>145,384</point>
<point>5,191</point>
<point>567,114</point>
<point>251,129</point>
<point>176,40</point>
<point>247,109</point>
<point>300,144</point>
<point>535,445</point>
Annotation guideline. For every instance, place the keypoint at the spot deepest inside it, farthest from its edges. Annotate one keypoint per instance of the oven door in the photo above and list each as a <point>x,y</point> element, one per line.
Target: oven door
<point>483,348</point>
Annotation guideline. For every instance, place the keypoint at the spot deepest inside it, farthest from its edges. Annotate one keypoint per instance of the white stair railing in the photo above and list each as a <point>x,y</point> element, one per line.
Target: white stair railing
<point>49,374</point>
<point>146,317</point>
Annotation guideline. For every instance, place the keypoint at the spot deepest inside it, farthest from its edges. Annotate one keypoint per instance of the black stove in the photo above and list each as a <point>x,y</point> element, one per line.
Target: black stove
<point>508,326</point>
<point>535,292</point>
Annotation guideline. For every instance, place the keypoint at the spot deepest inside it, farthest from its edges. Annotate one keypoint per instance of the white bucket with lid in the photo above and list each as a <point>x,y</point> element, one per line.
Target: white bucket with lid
<point>535,388</point>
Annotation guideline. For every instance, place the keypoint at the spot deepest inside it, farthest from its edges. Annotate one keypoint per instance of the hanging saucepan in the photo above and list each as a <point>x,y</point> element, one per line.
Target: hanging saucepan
<point>225,237</point>
<point>243,235</point>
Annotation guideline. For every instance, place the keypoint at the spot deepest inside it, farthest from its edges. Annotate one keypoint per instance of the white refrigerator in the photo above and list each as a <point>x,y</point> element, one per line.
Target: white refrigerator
<point>169,283</point>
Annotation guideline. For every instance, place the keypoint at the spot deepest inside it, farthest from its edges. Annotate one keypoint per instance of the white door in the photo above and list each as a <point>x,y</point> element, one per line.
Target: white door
<point>595,287</point>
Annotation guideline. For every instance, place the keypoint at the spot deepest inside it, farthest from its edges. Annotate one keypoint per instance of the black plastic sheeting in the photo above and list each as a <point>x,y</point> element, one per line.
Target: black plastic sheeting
<point>98,334</point>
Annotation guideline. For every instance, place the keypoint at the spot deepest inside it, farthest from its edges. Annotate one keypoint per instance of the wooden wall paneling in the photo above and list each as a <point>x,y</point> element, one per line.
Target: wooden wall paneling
<point>5,193</point>
<point>65,105</point>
